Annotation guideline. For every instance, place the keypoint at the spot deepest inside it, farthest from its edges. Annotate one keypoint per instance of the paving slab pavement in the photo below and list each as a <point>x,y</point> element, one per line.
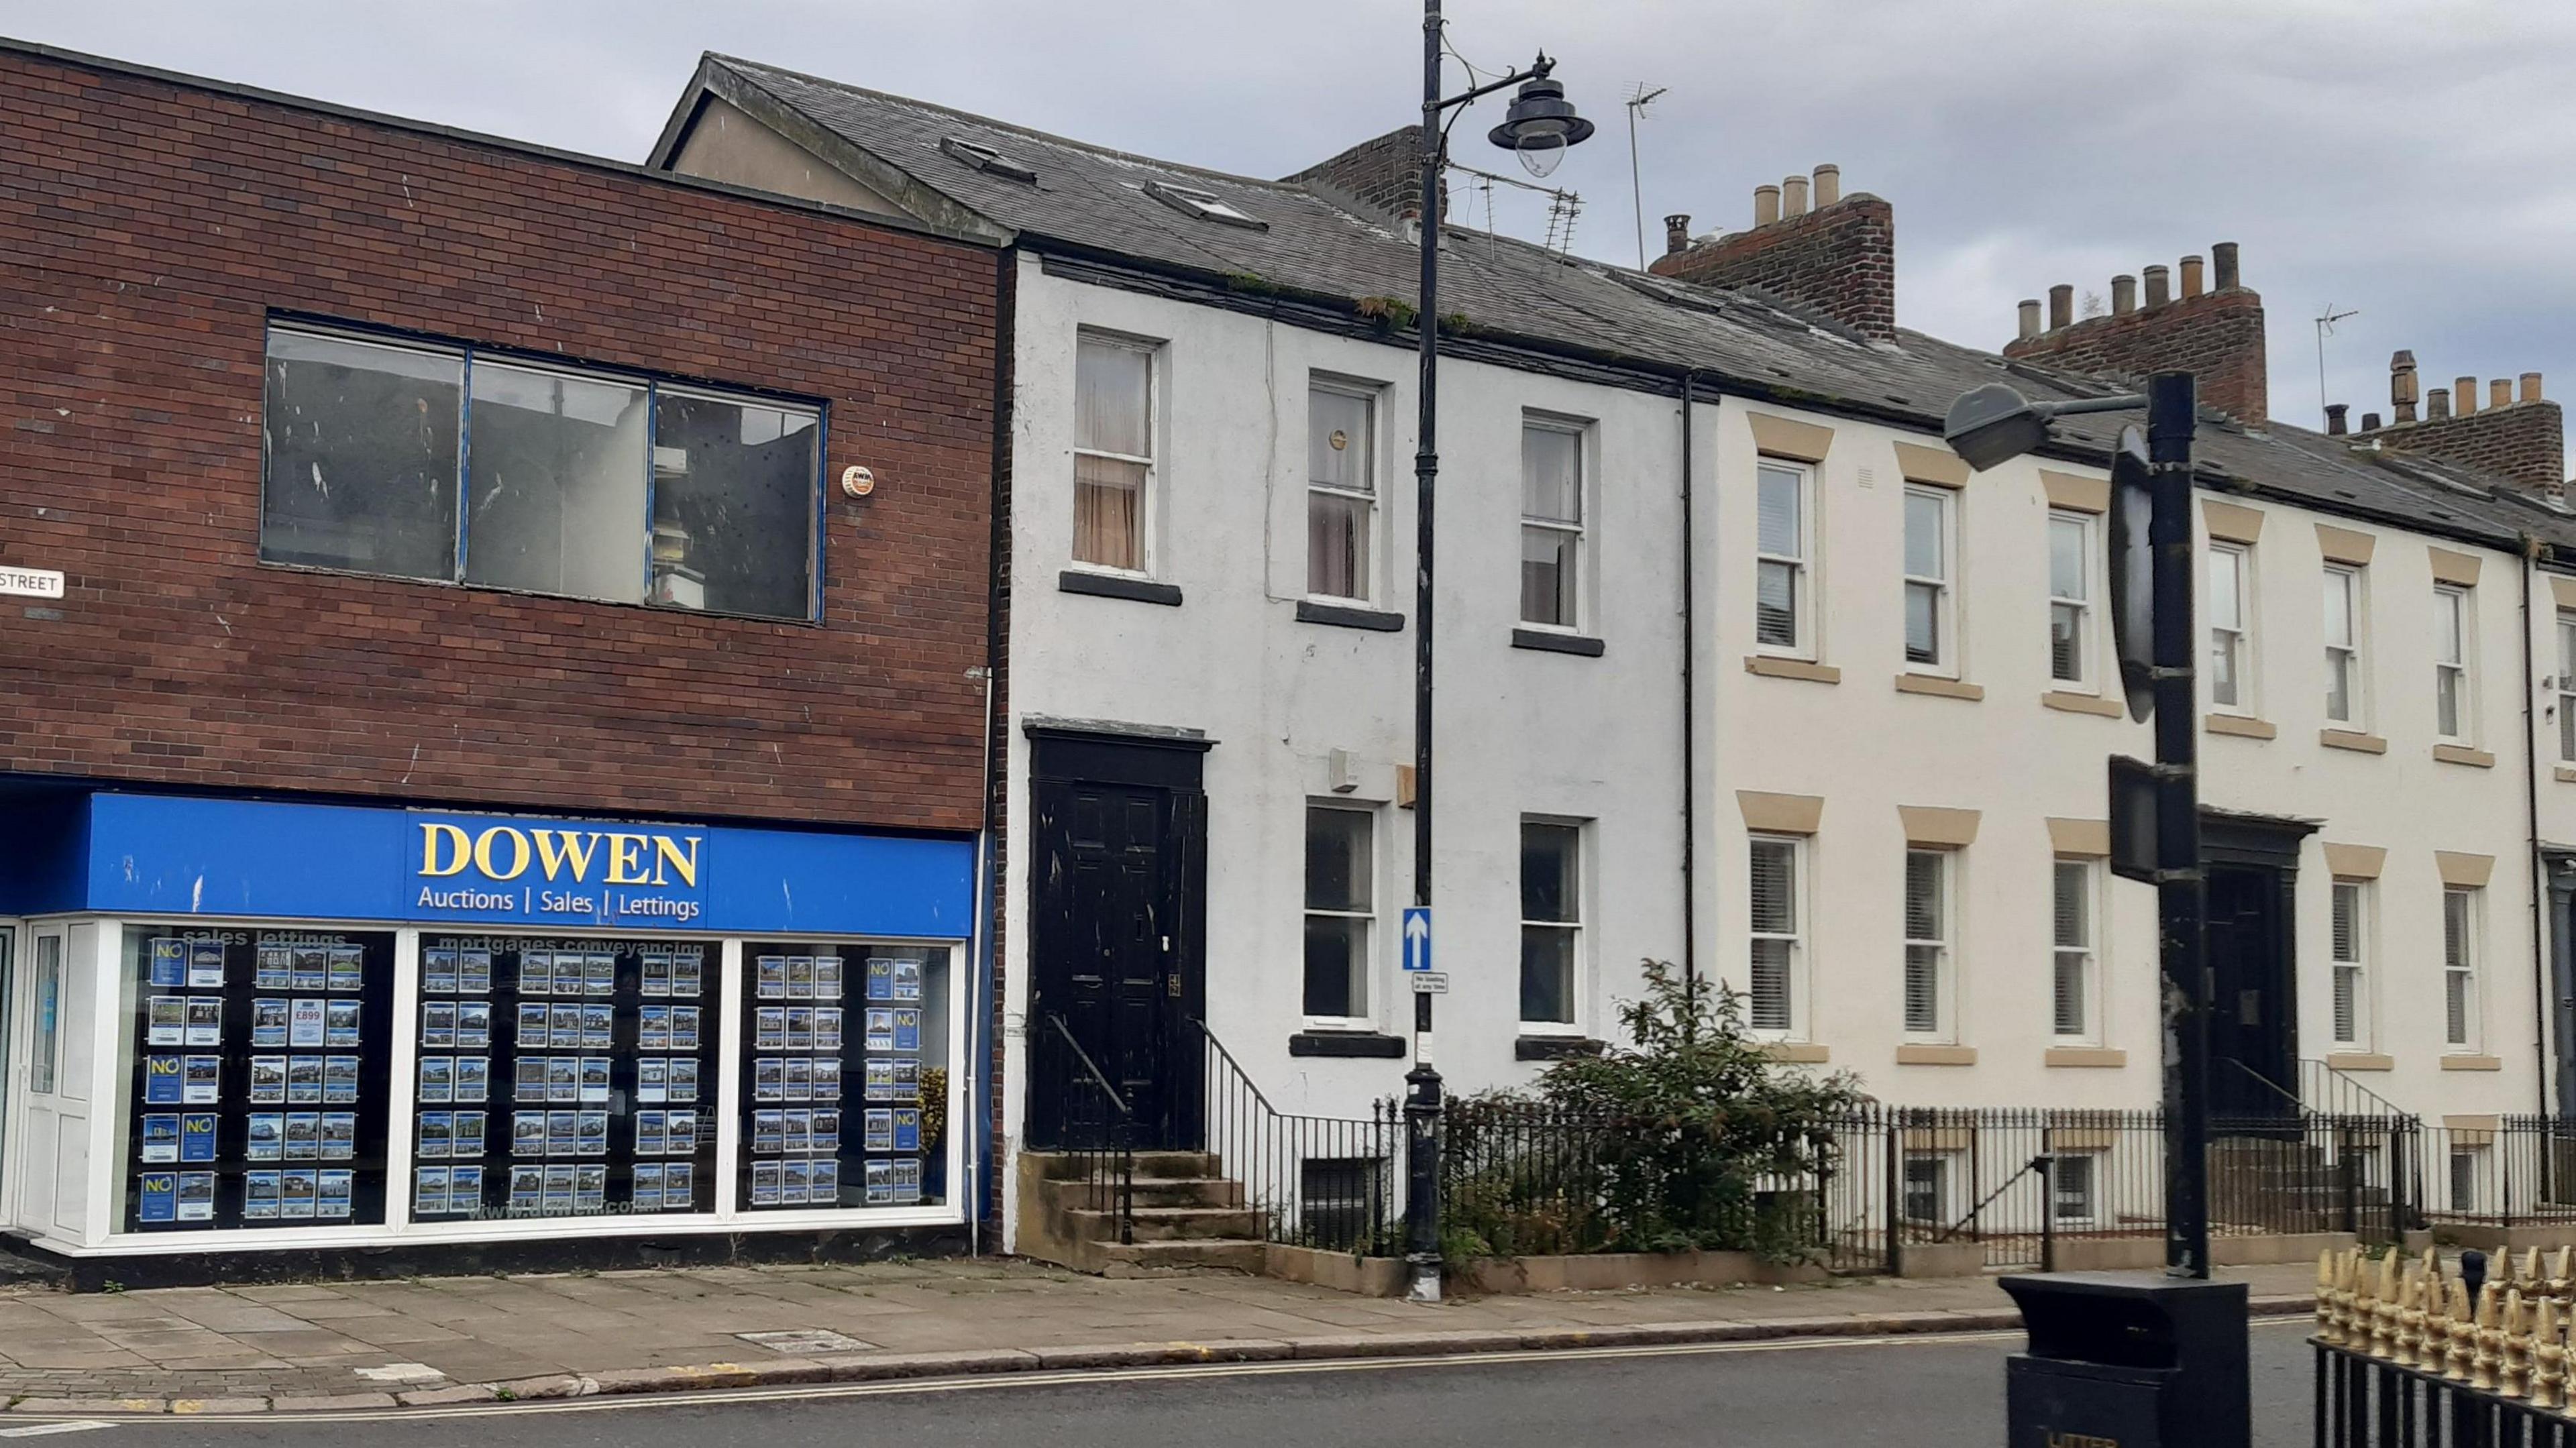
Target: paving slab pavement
<point>342,1345</point>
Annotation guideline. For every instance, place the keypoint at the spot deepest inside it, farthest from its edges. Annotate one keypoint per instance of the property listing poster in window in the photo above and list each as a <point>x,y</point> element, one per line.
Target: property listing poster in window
<point>262,1072</point>
<point>563,1078</point>
<point>844,1075</point>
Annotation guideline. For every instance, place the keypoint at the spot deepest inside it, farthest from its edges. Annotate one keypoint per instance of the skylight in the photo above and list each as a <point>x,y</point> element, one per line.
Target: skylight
<point>1205,205</point>
<point>987,160</point>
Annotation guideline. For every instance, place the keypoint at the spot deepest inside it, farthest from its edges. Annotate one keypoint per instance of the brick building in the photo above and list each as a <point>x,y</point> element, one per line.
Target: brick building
<point>453,545</point>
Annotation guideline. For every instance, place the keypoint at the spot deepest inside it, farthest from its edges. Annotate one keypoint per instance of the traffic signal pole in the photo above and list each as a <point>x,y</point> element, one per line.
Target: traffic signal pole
<point>2181,900</point>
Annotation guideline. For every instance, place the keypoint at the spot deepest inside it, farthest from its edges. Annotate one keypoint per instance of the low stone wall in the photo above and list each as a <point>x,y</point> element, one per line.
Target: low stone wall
<point>2122,1254</point>
<point>1340,1271</point>
<point>1613,1271</point>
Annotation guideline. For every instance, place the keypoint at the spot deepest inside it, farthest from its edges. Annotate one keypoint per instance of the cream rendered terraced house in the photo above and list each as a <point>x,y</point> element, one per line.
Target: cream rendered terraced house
<point>1855,768</point>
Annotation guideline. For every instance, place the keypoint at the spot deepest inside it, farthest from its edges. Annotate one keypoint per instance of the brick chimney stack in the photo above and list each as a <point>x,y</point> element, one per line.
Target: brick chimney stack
<point>2217,335</point>
<point>1382,177</point>
<point>1811,246</point>
<point>2519,435</point>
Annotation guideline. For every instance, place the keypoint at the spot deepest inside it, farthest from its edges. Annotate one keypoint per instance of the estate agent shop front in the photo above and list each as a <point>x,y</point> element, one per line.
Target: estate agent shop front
<point>239,1025</point>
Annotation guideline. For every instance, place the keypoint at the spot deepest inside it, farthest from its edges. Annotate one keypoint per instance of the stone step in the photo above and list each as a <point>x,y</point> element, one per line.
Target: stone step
<point>1169,1224</point>
<point>1148,1192</point>
<point>1201,1255</point>
<point>1166,1165</point>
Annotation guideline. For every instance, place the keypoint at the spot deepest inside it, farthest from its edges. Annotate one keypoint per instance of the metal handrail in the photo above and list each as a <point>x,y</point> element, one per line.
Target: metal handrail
<point>1236,1066</point>
<point>2268,1084</point>
<point>1123,1132</point>
<point>2343,1082</point>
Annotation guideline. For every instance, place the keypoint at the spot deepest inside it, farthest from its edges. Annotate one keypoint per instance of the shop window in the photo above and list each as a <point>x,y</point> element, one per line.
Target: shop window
<point>262,1077</point>
<point>563,1078</point>
<point>574,482</point>
<point>812,1012</point>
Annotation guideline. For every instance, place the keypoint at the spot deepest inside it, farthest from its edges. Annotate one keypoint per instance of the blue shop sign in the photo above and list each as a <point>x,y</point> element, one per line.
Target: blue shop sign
<point>555,872</point>
<point>189,855</point>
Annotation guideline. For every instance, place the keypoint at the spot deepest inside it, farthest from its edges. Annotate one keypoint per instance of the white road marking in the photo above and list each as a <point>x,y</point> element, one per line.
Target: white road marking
<point>41,1430</point>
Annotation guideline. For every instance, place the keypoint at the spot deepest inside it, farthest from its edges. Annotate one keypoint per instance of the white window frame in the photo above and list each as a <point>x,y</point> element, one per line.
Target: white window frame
<point>2091,1170</point>
<point>2088,679</point>
<point>1802,564</point>
<point>2566,686</point>
<point>1577,604</point>
<point>2463,599</point>
<point>2084,956</point>
<point>2355,656</point>
<point>2238,635</point>
<point>1368,395</point>
<point>2467,1173</point>
<point>1940,1163</point>
<point>1367,974</point>
<point>2461,969</point>
<point>1944,1029</point>
<point>2348,954</point>
<point>1797,936</point>
<point>1944,662</point>
<point>1150,502</point>
<point>1578,950</point>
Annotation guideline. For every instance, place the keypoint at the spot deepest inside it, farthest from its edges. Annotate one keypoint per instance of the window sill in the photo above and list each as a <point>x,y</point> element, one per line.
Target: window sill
<point>2066,701</point>
<point>1771,666</point>
<point>1357,1044</point>
<point>2353,740</point>
<point>2360,1061</point>
<point>2462,754</point>
<point>1935,686</point>
<point>1111,585</point>
<point>1936,1055</point>
<point>1556,643</point>
<point>1797,1053</point>
<point>2240,725</point>
<point>2472,1063</point>
<point>1554,1048</point>
<point>1349,615</point>
<point>2085,1056</point>
<point>2564,774</point>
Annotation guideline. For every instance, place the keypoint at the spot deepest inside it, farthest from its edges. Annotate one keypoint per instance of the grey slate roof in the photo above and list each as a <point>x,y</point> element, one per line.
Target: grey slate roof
<point>1092,200</point>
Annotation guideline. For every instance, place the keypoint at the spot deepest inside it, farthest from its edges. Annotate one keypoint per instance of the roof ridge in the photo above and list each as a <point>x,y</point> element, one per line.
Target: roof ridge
<point>743,66</point>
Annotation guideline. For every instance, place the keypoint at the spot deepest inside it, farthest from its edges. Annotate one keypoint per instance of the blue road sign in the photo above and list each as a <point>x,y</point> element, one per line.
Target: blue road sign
<point>1417,937</point>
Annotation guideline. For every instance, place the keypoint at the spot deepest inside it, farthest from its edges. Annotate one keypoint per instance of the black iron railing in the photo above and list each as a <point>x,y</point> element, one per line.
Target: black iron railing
<point>2517,1171</point>
<point>1097,1126</point>
<point>1310,1181</point>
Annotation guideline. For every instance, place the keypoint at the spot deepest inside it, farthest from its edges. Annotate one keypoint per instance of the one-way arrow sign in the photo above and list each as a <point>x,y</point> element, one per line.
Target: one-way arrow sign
<point>1417,937</point>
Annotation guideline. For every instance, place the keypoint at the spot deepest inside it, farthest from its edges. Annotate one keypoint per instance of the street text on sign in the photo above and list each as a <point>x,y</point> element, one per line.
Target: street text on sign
<point>31,582</point>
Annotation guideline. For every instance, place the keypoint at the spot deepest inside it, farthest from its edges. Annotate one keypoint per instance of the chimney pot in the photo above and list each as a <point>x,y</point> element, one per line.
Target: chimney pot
<point>1766,205</point>
<point>2191,286</point>
<point>2335,411</point>
<point>2437,404</point>
<point>2159,286</point>
<point>2223,256</point>
<point>1676,232</point>
<point>2124,295</point>
<point>2500,392</point>
<point>2531,387</point>
<point>2402,395</point>
<point>2030,317</point>
<point>2061,305</point>
<point>2464,396</point>
<point>2370,422</point>
<point>1829,185</point>
<point>1793,196</point>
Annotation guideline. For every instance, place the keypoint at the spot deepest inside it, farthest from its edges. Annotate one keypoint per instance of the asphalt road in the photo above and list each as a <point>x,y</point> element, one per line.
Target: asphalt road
<point>1923,1393</point>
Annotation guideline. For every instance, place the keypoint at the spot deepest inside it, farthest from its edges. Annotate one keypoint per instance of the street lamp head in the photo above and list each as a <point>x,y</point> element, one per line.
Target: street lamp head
<point>1541,123</point>
<point>1991,425</point>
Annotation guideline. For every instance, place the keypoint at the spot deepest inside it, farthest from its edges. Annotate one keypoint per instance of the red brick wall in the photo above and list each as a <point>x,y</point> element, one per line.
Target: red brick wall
<point>2523,441</point>
<point>2216,335</point>
<point>147,228</point>
<point>1839,260</point>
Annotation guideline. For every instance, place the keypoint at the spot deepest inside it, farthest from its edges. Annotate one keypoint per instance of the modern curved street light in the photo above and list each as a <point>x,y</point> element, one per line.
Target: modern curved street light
<point>1539,127</point>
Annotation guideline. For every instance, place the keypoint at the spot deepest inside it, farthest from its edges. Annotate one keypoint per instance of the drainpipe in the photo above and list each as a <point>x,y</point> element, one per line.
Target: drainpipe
<point>984,999</point>
<point>2531,852</point>
<point>1690,705</point>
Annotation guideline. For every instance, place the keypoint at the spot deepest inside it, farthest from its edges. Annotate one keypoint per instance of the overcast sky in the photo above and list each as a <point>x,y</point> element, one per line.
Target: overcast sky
<point>2412,159</point>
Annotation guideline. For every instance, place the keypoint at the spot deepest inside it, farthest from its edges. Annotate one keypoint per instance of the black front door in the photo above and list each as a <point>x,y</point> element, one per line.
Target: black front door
<point>1118,853</point>
<point>2253,1005</point>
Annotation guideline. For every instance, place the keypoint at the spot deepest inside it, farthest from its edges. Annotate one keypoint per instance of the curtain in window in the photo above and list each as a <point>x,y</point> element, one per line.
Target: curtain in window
<point>1109,512</point>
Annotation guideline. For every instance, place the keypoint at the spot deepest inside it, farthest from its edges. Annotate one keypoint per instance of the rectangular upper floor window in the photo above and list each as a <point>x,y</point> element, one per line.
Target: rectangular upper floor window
<point>1782,621</point>
<point>2454,656</point>
<point>1113,451</point>
<point>453,464</point>
<point>2231,629</point>
<point>1551,523</point>
<point>2070,598</point>
<point>1931,546</point>
<point>2344,699</point>
<point>2566,686</point>
<point>1341,490</point>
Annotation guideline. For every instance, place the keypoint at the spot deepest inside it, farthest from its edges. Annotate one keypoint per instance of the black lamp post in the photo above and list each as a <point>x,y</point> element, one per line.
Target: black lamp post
<point>1538,128</point>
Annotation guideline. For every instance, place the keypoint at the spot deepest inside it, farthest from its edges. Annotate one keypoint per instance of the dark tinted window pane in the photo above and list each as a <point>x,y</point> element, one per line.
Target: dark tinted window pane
<point>1337,859</point>
<point>361,457</point>
<point>1549,889</point>
<point>1547,974</point>
<point>557,484</point>
<point>733,506</point>
<point>1335,946</point>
